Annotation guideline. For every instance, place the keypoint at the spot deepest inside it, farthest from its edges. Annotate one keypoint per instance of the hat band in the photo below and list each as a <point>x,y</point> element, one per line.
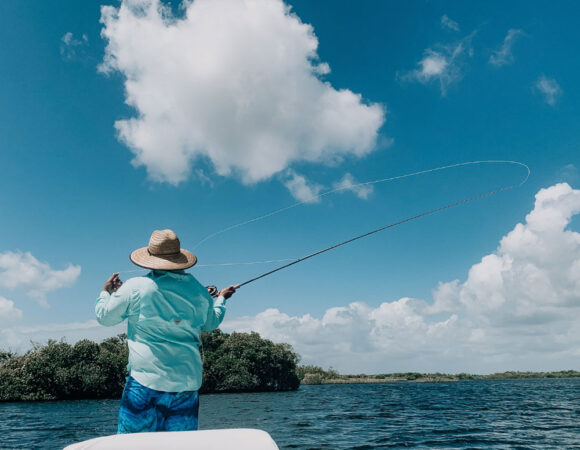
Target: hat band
<point>163,254</point>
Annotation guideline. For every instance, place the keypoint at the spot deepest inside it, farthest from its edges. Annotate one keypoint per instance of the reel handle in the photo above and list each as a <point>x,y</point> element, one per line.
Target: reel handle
<point>212,290</point>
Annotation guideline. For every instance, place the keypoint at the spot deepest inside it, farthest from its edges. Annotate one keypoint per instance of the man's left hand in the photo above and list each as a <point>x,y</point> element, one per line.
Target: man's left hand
<point>112,284</point>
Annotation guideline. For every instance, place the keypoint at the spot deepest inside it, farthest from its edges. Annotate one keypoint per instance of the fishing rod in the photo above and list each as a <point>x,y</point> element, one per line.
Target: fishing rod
<point>214,291</point>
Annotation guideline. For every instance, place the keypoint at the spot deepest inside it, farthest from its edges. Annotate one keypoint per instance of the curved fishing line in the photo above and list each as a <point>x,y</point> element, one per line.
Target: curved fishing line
<point>408,219</point>
<point>354,186</point>
<point>382,180</point>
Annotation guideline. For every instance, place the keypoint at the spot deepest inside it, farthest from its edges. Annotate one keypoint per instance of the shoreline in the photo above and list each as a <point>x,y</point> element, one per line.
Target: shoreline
<point>415,377</point>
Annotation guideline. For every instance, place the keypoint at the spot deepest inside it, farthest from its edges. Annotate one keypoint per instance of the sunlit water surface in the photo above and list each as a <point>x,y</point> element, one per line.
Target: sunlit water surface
<point>541,413</point>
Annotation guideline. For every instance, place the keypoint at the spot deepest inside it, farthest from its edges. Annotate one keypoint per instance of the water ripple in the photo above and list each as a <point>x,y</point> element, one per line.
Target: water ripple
<point>472,414</point>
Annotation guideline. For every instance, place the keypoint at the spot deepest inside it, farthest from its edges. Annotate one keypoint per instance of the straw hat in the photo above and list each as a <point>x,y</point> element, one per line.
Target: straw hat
<point>163,253</point>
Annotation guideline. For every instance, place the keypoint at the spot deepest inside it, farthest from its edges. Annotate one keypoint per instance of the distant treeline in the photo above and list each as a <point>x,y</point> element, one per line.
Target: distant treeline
<point>317,375</point>
<point>237,362</point>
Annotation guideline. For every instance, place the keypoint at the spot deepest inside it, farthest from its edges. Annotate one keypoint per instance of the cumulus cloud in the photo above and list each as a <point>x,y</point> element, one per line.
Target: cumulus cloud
<point>348,183</point>
<point>70,46</point>
<point>8,312</point>
<point>358,338</point>
<point>19,270</point>
<point>503,55</point>
<point>533,275</point>
<point>443,64</point>
<point>518,309</point>
<point>301,189</point>
<point>20,338</point>
<point>234,82</point>
<point>549,88</point>
<point>449,24</point>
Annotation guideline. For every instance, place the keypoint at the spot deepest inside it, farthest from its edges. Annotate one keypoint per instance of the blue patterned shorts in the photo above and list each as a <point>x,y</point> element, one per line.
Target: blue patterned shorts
<point>143,409</point>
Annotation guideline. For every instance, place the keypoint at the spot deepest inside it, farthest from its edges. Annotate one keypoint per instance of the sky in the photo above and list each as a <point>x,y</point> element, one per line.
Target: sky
<point>119,118</point>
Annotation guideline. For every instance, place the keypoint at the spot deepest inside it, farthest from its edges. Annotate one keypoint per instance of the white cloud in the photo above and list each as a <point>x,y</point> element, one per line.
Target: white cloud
<point>550,89</point>
<point>236,82</point>
<point>449,24</point>
<point>69,45</point>
<point>8,312</point>
<point>518,309</point>
<point>503,55</point>
<point>358,338</point>
<point>19,270</point>
<point>348,183</point>
<point>301,189</point>
<point>19,338</point>
<point>444,64</point>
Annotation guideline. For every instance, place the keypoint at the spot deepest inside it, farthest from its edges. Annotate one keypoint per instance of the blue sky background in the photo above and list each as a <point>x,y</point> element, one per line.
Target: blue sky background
<point>70,194</point>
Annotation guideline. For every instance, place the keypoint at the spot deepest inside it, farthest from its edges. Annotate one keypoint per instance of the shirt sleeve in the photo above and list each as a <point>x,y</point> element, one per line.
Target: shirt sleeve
<point>215,314</point>
<point>112,309</point>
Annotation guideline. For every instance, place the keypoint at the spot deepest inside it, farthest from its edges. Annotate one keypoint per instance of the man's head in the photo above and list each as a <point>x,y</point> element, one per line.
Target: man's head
<point>164,252</point>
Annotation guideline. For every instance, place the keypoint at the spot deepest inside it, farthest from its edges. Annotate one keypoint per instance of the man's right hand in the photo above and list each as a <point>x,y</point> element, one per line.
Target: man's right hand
<point>228,292</point>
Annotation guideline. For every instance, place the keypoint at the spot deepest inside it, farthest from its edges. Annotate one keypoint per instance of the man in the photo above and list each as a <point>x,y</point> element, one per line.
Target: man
<point>166,311</point>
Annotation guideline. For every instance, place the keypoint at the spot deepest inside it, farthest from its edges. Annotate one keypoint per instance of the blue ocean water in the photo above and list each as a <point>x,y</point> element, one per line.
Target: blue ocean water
<point>535,413</point>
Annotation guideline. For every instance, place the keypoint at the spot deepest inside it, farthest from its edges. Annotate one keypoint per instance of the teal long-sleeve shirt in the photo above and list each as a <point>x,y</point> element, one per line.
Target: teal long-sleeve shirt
<point>166,312</point>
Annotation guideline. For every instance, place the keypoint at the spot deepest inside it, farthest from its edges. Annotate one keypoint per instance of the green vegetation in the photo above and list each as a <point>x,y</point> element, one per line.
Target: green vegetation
<point>237,362</point>
<point>514,375</point>
<point>317,375</point>
<point>242,362</point>
<point>62,371</point>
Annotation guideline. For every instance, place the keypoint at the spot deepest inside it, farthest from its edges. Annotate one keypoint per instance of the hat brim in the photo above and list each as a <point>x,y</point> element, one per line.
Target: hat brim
<point>183,260</point>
